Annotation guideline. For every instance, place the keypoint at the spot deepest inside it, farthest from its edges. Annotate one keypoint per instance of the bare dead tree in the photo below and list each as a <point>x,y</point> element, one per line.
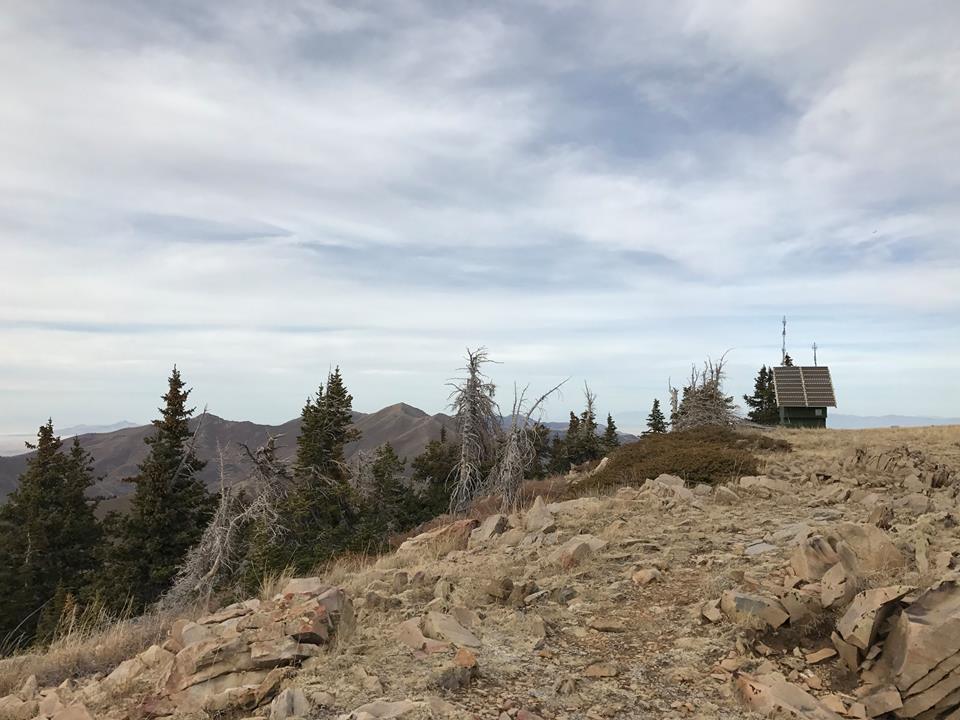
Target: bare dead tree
<point>216,559</point>
<point>674,399</point>
<point>478,425</point>
<point>703,401</point>
<point>517,452</point>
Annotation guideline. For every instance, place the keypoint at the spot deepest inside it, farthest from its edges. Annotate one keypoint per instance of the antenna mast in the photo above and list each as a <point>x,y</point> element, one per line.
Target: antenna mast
<point>783,347</point>
<point>814,354</point>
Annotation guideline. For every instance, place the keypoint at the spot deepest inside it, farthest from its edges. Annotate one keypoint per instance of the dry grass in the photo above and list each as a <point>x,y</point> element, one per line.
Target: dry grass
<point>91,643</point>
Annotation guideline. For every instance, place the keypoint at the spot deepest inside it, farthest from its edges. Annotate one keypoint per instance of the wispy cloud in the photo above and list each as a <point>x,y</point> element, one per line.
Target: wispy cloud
<point>603,189</point>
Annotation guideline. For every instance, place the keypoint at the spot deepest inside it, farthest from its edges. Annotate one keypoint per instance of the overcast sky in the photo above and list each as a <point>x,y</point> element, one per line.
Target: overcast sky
<point>604,190</point>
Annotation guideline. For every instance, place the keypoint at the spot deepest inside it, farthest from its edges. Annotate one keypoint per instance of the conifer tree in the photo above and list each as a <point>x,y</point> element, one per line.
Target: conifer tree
<point>390,501</point>
<point>323,508</point>
<point>48,540</point>
<point>763,402</point>
<point>787,360</point>
<point>433,475</point>
<point>170,506</point>
<point>610,437</point>
<point>656,422</point>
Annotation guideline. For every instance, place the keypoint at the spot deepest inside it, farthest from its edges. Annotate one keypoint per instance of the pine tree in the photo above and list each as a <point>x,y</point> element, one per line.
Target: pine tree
<point>787,360</point>
<point>763,402</point>
<point>656,422</point>
<point>322,510</point>
<point>433,475</point>
<point>170,506</point>
<point>48,540</point>
<point>610,437</point>
<point>390,500</point>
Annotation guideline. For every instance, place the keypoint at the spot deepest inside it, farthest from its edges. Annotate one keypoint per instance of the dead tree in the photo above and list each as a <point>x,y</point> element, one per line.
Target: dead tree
<point>216,559</point>
<point>517,452</point>
<point>703,401</point>
<point>478,424</point>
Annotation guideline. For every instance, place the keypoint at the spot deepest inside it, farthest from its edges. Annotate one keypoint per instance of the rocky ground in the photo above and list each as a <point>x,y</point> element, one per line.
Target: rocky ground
<point>824,588</point>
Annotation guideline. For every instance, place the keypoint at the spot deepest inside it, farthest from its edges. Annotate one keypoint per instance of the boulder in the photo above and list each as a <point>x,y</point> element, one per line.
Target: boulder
<point>539,518</point>
<point>490,527</point>
<point>410,634</point>
<point>866,549</point>
<point>723,495</point>
<point>304,586</point>
<point>813,557</point>
<point>838,586</point>
<point>439,626</point>
<point>290,703</point>
<point>13,708</point>
<point>382,710</point>
<point>861,622</point>
<point>75,711</point>
<point>576,550</point>
<point>772,695</point>
<point>442,540</point>
<point>753,610</point>
<point>923,648</point>
<point>767,483</point>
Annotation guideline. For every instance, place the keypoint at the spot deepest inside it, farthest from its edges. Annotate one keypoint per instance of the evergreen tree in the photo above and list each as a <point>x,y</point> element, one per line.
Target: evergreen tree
<point>656,422</point>
<point>48,540</point>
<point>170,507</point>
<point>390,501</point>
<point>610,437</point>
<point>433,472</point>
<point>763,402</point>
<point>323,509</point>
<point>787,360</point>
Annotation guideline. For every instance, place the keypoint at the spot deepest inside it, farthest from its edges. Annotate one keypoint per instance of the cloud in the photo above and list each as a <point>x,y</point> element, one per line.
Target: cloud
<point>606,190</point>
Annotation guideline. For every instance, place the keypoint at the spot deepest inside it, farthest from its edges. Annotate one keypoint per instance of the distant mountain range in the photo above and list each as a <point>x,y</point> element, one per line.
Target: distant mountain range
<point>854,422</point>
<point>117,453</point>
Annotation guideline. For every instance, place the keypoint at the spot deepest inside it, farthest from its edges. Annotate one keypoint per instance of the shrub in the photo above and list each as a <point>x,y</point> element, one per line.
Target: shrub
<point>702,455</point>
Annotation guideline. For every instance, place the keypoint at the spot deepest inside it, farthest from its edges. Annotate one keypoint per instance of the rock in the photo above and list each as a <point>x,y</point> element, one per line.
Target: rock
<point>881,516</point>
<point>290,703</point>
<point>304,586</point>
<point>770,695</point>
<point>489,528</point>
<point>848,653</point>
<point>669,480</point>
<point>601,670</point>
<point>710,610</point>
<point>752,610</point>
<point>838,586</point>
<point>442,540</point>
<point>820,655</point>
<point>915,503</point>
<point>77,711</point>
<point>759,548</point>
<point>576,550</point>
<point>28,691</point>
<point>702,490</point>
<point>767,483</point>
<point>440,626</point>
<point>607,625</point>
<point>923,648</point>
<point>860,623</point>
<point>813,557</point>
<point>646,576</point>
<point>13,708</point>
<point>866,549</point>
<point>456,678</point>
<point>500,589</point>
<point>882,700</point>
<point>410,634</point>
<point>539,518</point>
<point>382,710</point>
<point>465,658</point>
<point>723,495</point>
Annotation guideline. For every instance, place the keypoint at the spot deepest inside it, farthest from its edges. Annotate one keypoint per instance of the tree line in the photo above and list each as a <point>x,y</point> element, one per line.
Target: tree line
<point>57,559</point>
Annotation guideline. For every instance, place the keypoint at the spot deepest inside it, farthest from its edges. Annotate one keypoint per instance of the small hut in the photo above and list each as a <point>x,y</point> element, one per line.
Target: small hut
<point>803,395</point>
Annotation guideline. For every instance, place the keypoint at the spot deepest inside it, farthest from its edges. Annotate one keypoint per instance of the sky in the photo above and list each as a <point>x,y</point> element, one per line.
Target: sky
<point>605,191</point>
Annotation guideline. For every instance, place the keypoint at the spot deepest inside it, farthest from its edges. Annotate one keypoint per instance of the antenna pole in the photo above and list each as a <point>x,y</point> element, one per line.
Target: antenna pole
<point>814,354</point>
<point>783,347</point>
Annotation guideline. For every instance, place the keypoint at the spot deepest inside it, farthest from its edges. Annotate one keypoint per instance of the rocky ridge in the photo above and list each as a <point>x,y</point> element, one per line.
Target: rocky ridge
<point>825,588</point>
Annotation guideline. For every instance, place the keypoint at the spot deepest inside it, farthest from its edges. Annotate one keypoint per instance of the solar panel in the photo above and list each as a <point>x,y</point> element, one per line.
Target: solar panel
<point>803,386</point>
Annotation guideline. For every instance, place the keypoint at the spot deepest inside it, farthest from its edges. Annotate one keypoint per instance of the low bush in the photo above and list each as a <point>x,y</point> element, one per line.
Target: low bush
<point>701,455</point>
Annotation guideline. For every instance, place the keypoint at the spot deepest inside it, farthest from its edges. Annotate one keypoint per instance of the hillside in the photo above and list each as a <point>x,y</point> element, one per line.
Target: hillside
<point>117,454</point>
<point>825,588</point>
